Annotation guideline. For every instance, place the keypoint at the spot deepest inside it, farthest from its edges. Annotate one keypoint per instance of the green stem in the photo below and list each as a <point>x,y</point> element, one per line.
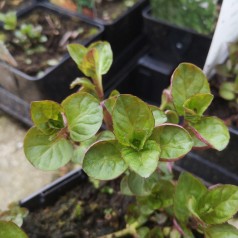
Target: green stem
<point>129,230</point>
<point>99,88</point>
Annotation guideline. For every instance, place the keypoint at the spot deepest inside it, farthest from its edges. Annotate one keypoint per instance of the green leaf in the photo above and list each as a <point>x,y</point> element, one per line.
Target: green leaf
<point>11,230</point>
<point>172,117</point>
<point>44,153</point>
<point>188,186</point>
<point>174,141</point>
<point>110,103</point>
<point>93,61</point>
<point>140,186</point>
<point>84,82</point>
<point>156,232</point>
<point>89,63</point>
<point>124,187</point>
<point>197,143</point>
<point>221,231</point>
<point>187,80</point>
<point>219,204</point>
<point>212,131</point>
<point>159,115</point>
<point>81,150</point>
<point>227,91</point>
<point>46,116</point>
<point>103,161</point>
<point>77,52</point>
<point>143,162</point>
<point>84,115</point>
<point>196,105</point>
<point>105,56</point>
<point>133,121</point>
<point>163,192</point>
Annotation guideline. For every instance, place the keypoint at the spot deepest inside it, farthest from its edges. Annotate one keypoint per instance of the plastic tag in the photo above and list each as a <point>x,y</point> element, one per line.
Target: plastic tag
<point>226,32</point>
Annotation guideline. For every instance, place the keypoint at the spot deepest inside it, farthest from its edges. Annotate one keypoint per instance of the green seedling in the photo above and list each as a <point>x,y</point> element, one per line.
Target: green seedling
<point>9,20</point>
<point>228,73</point>
<point>29,36</point>
<point>138,146</point>
<point>200,15</point>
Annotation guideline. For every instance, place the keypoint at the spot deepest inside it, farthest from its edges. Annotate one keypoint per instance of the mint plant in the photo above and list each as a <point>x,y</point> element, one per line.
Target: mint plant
<point>138,146</point>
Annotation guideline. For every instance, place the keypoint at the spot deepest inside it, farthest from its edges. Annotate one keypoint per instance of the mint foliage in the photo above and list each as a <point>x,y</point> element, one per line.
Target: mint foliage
<point>138,146</point>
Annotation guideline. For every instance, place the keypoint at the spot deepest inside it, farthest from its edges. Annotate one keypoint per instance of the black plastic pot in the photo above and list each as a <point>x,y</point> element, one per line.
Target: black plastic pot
<point>206,165</point>
<point>145,78</point>
<point>48,196</point>
<point>50,193</point>
<point>54,84</point>
<point>172,42</point>
<point>222,165</point>
<point>125,29</point>
<point>19,108</point>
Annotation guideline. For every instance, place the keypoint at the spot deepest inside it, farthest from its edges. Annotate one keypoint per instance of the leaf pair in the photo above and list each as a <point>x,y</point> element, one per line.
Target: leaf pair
<point>47,145</point>
<point>138,144</point>
<point>93,61</point>
<point>210,207</point>
<point>191,97</point>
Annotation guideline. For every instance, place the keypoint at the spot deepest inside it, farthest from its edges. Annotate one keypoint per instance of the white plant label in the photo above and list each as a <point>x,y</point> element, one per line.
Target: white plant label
<point>225,33</point>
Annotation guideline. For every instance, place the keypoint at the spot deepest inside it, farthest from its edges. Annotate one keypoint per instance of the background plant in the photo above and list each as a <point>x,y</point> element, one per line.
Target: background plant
<point>26,36</point>
<point>228,75</point>
<point>200,14</point>
<point>139,144</point>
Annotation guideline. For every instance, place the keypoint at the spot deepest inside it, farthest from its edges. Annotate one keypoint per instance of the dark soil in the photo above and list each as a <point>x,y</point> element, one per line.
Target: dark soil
<point>106,10</point>
<point>59,30</point>
<point>84,212</point>
<point>10,5</point>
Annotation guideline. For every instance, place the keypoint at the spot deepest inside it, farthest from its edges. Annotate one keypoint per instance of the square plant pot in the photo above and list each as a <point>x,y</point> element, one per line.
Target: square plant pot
<point>53,81</point>
<point>124,28</point>
<point>170,41</point>
<point>19,108</point>
<point>54,211</point>
<point>212,166</point>
<point>223,164</point>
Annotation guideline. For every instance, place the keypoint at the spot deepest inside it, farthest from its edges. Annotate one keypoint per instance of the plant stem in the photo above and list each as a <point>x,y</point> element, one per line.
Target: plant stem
<point>99,88</point>
<point>129,230</point>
